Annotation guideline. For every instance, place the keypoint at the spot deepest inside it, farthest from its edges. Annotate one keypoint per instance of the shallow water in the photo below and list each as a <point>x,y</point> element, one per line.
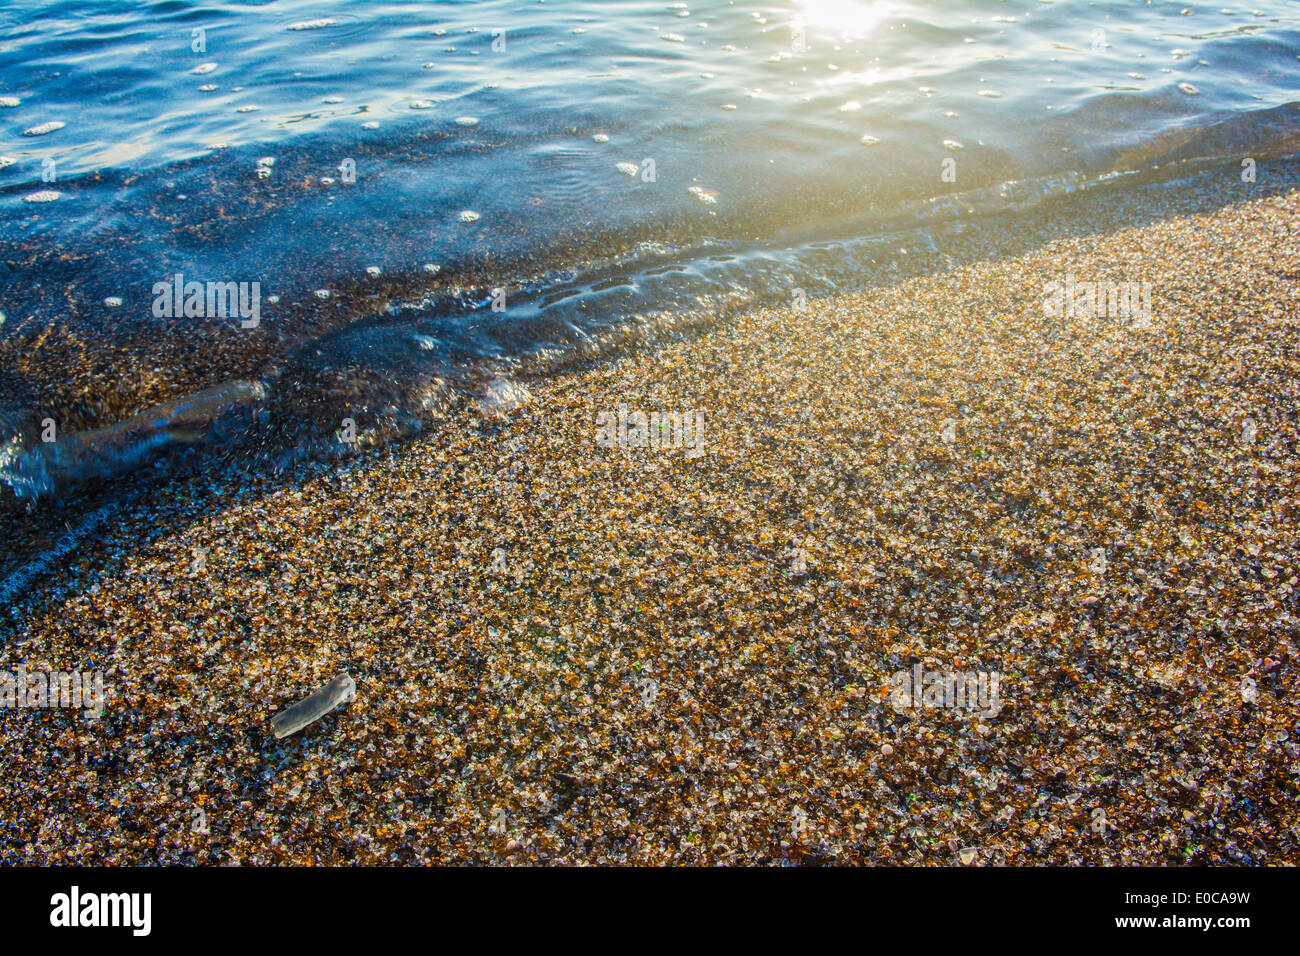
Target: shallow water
<point>380,170</point>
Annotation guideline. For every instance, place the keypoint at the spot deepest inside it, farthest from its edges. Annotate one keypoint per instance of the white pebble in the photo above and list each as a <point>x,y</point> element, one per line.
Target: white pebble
<point>469,215</point>
<point>45,195</point>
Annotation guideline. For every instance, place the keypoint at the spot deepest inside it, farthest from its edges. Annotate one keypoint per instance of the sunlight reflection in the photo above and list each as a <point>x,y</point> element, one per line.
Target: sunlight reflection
<point>851,19</point>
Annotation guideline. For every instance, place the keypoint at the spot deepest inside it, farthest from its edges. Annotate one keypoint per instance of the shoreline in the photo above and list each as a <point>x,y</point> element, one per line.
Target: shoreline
<point>571,653</point>
<point>302,410</point>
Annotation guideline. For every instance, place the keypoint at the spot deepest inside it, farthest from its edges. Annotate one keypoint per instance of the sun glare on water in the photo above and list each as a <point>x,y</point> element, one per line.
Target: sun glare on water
<point>849,18</point>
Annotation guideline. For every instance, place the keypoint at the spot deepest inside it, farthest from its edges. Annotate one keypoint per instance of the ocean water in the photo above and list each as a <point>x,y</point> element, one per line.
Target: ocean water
<point>421,201</point>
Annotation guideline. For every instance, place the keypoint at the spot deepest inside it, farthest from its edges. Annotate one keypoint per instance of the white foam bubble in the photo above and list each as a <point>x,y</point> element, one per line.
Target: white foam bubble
<point>312,24</point>
<point>502,396</point>
<point>44,128</point>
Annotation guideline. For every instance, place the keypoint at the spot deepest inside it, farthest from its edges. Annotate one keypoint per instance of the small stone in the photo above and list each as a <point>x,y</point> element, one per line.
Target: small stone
<point>312,708</point>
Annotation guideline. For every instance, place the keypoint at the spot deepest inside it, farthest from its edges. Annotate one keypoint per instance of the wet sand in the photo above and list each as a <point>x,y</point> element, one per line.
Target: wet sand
<point>567,653</point>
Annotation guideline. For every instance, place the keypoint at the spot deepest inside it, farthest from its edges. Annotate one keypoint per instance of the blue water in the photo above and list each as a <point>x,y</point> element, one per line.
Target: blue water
<point>595,161</point>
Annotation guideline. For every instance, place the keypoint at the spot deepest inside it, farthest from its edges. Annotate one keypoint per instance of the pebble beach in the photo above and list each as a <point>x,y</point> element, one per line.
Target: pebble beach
<point>566,653</point>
